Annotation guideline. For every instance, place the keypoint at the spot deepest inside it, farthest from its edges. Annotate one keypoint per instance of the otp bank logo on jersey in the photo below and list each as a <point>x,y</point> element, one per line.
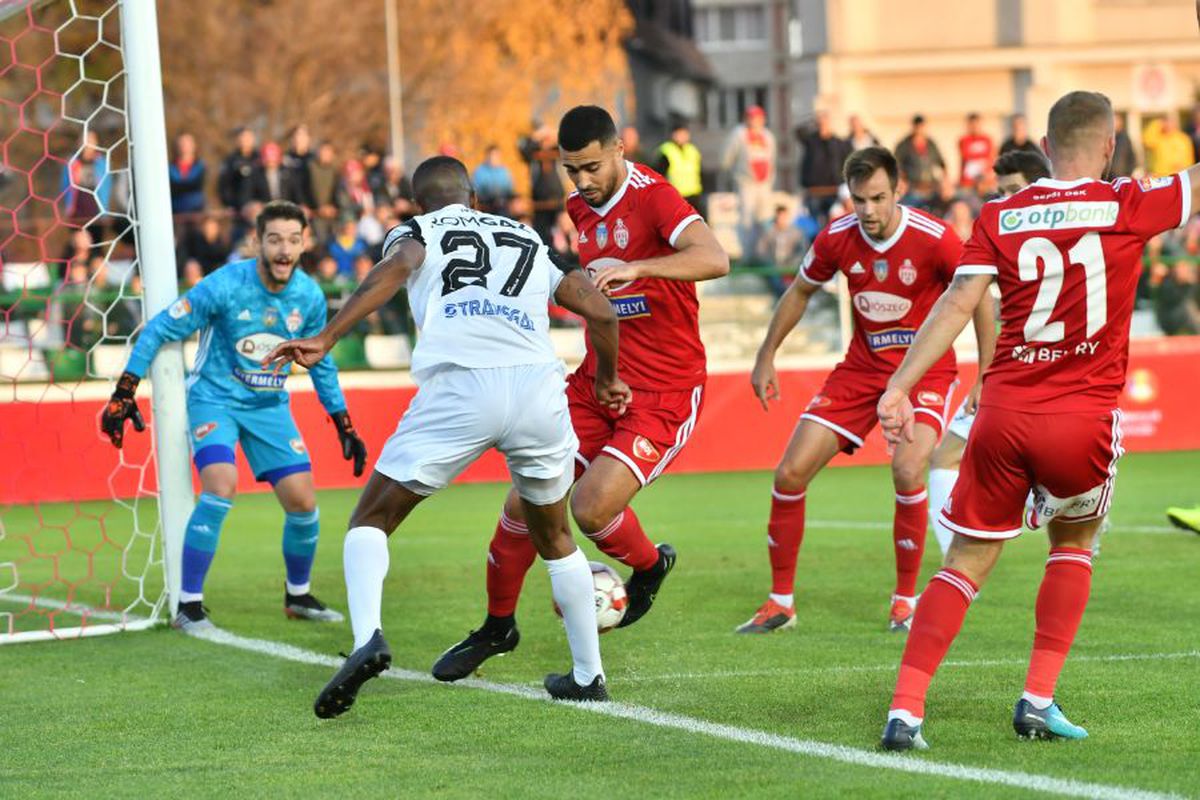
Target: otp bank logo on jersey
<point>930,399</point>
<point>1059,216</point>
<point>256,346</point>
<point>592,267</point>
<point>882,306</point>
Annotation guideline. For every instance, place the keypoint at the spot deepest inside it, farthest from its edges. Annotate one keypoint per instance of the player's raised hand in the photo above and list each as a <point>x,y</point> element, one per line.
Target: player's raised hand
<point>765,381</point>
<point>353,448</point>
<point>305,352</point>
<point>605,277</point>
<point>895,417</point>
<point>122,406</point>
<point>615,395</point>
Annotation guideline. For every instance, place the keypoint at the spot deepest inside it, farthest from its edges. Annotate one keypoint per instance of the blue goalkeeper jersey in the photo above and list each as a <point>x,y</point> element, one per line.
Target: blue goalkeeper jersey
<point>240,322</point>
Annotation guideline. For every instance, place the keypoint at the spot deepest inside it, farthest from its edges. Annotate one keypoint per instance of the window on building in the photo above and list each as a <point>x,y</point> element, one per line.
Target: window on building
<point>731,25</point>
<point>726,107</point>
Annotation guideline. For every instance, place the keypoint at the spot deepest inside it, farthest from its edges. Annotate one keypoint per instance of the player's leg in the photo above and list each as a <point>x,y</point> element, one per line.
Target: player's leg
<point>985,510</point>
<point>213,436</point>
<point>810,448</point>
<point>510,553</point>
<point>1061,600</point>
<point>278,456</point>
<point>943,472</point>
<point>910,462</point>
<point>383,505</point>
<point>301,530</point>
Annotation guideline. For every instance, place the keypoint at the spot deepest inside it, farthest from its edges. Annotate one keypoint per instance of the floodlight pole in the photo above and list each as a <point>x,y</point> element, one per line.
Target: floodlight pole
<point>156,256</point>
<point>395,88</point>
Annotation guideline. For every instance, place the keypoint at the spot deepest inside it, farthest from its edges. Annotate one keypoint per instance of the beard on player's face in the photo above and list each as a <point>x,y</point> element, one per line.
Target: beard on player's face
<point>596,186</point>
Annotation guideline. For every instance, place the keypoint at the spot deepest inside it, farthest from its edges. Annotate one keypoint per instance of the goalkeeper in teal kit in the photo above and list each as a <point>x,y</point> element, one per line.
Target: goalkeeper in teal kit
<point>243,310</point>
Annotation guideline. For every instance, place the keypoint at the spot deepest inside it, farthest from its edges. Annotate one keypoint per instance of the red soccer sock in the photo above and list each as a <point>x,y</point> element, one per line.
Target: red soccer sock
<point>1060,604</point>
<point>510,556</point>
<point>938,619</point>
<point>785,532</point>
<point>624,540</point>
<point>908,538</point>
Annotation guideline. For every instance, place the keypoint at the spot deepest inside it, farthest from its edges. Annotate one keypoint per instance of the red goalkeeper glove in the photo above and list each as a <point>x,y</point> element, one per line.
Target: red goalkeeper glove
<point>122,406</point>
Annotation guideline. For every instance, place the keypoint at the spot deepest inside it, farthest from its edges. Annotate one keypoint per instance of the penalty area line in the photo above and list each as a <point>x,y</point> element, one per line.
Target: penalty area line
<point>832,752</point>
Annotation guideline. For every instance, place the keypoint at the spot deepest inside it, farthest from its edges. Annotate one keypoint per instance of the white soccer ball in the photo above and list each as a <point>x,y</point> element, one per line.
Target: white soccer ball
<point>611,600</point>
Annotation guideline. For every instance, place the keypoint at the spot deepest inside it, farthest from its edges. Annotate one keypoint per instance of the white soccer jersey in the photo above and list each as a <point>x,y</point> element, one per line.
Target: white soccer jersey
<point>480,297</point>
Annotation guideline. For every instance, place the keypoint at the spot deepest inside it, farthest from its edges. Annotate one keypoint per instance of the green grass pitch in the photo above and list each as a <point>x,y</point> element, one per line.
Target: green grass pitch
<point>158,714</point>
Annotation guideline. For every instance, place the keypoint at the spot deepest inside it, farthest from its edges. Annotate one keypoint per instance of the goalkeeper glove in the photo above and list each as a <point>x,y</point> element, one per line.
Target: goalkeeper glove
<point>353,448</point>
<point>122,406</point>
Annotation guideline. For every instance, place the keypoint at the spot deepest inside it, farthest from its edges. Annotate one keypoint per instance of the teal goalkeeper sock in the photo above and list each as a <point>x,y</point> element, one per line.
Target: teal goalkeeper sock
<point>200,542</point>
<point>300,534</point>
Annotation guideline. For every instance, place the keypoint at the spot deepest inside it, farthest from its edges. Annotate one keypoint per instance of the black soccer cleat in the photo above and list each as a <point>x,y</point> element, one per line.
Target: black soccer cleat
<point>898,736</point>
<point>642,587</point>
<point>365,663</point>
<point>1044,723</point>
<point>465,657</point>
<point>564,687</point>
<point>307,606</point>
<point>192,617</point>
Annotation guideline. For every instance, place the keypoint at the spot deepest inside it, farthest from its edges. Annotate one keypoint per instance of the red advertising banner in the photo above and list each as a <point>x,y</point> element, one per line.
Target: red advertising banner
<point>53,451</point>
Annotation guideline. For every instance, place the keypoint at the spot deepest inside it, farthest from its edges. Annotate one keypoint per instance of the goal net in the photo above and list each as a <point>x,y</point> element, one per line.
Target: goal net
<point>81,545</point>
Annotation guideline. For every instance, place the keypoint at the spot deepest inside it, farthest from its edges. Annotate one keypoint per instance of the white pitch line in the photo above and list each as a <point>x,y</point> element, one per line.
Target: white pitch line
<point>649,716</point>
<point>1117,528</point>
<point>847,668</point>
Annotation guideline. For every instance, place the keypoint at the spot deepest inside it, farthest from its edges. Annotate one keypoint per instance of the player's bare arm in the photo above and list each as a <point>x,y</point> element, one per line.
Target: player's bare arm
<point>698,257</point>
<point>945,322</point>
<point>984,320</point>
<point>576,293</point>
<point>381,284</point>
<point>788,312</point>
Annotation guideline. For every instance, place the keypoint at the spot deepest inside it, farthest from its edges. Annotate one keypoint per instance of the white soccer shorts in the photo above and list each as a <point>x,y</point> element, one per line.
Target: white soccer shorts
<point>458,414</point>
<point>961,422</point>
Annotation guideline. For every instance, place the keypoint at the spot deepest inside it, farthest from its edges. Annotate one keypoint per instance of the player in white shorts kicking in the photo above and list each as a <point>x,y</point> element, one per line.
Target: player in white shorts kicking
<point>1014,171</point>
<point>487,376</point>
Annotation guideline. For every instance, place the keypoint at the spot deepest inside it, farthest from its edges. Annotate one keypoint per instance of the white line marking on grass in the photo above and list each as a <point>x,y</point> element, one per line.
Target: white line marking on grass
<point>833,752</point>
<point>847,668</point>
<point>1117,528</point>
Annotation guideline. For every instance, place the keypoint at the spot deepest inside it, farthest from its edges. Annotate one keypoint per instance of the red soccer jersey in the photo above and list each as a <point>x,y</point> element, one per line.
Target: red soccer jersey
<point>660,347</point>
<point>1067,256</point>
<point>893,284</point>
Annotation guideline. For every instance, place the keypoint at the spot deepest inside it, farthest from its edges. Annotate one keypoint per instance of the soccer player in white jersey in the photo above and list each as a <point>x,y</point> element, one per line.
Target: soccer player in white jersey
<point>1014,170</point>
<point>487,376</point>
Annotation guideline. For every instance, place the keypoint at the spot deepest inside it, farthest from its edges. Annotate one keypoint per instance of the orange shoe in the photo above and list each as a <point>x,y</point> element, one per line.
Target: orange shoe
<point>770,617</point>
<point>903,608</point>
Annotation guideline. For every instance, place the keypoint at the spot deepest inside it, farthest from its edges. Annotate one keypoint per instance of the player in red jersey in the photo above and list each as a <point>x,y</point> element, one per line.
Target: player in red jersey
<point>1066,253</point>
<point>897,261</point>
<point>645,247</point>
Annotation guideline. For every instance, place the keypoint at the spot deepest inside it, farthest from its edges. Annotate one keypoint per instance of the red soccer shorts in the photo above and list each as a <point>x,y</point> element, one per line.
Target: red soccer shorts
<point>847,403</point>
<point>1046,466</point>
<point>646,438</point>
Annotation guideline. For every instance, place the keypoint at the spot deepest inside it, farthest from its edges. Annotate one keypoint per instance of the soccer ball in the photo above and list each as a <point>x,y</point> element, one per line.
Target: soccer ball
<point>610,597</point>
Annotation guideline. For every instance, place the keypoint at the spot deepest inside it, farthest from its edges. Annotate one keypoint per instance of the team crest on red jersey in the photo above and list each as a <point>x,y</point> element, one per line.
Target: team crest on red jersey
<point>644,449</point>
<point>621,234</point>
<point>881,269</point>
<point>930,399</point>
<point>204,430</point>
<point>908,273</point>
<point>602,235</point>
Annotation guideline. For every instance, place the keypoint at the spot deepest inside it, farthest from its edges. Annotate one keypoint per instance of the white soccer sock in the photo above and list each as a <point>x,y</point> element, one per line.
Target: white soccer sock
<point>573,590</point>
<point>785,600</point>
<point>1039,702</point>
<point>191,597</point>
<point>941,483</point>
<point>365,561</point>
